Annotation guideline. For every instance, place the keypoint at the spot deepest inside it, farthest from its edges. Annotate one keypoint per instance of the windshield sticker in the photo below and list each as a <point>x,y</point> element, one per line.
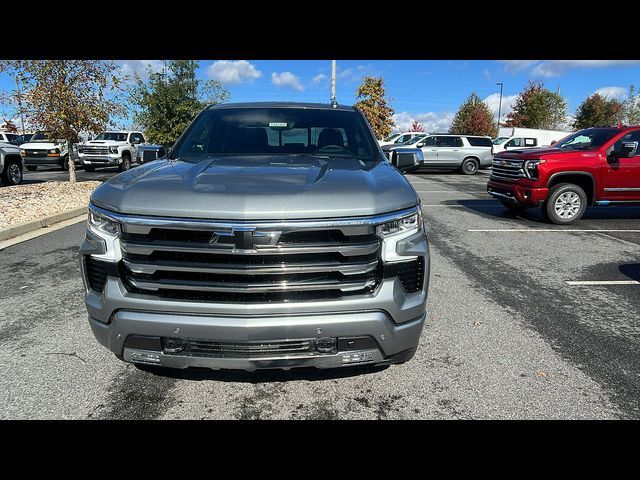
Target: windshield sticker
<point>278,124</point>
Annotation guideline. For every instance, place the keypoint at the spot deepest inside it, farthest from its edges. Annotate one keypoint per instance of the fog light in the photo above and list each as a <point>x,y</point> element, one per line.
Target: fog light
<point>325,344</point>
<point>173,345</point>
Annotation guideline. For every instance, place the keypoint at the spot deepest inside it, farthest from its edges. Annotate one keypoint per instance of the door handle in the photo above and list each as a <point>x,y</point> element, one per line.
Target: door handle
<point>456,149</point>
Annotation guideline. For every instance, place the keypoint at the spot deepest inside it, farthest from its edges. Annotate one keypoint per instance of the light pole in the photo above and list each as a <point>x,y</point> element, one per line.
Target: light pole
<point>333,82</point>
<point>499,106</point>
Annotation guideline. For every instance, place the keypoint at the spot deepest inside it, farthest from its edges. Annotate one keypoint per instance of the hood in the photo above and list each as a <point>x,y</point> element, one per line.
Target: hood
<point>260,188</point>
<point>8,147</point>
<point>104,142</point>
<point>41,145</point>
<point>539,152</point>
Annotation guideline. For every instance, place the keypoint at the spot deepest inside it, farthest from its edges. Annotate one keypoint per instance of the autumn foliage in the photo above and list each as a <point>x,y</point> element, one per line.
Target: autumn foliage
<point>473,118</point>
<point>416,126</point>
<point>374,104</point>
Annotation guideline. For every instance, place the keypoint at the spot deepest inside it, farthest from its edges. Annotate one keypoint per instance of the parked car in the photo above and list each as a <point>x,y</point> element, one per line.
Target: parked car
<point>44,150</point>
<point>274,235</point>
<point>399,138</point>
<point>392,146</point>
<point>595,166</point>
<point>12,138</point>
<point>110,149</point>
<point>467,153</point>
<point>149,152</point>
<point>519,138</point>
<point>11,164</point>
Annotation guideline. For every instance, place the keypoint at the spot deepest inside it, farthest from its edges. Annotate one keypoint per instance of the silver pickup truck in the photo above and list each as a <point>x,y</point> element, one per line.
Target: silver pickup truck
<point>272,235</point>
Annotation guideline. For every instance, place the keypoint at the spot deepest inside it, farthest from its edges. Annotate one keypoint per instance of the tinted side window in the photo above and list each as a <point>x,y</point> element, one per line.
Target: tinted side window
<point>450,142</point>
<point>430,142</point>
<point>514,142</point>
<point>629,137</point>
<point>479,142</point>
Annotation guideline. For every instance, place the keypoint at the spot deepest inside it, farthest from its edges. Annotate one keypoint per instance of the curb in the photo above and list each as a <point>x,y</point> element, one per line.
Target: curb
<point>44,222</point>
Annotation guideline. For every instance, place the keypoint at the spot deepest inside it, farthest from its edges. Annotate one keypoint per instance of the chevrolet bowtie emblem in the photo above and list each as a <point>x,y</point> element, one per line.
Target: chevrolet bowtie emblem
<point>243,239</point>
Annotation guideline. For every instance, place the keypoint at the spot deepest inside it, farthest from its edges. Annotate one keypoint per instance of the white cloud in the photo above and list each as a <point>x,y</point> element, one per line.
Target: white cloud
<point>556,68</point>
<point>319,78</point>
<point>486,74</point>
<point>232,72</point>
<point>432,122</point>
<point>515,66</point>
<point>493,102</point>
<point>619,93</point>
<point>287,80</point>
<point>133,67</point>
<point>353,74</point>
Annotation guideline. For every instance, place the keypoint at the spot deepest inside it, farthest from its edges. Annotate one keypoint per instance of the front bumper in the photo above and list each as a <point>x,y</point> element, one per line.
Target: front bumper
<point>517,193</point>
<point>43,160</point>
<point>100,160</point>
<point>387,341</point>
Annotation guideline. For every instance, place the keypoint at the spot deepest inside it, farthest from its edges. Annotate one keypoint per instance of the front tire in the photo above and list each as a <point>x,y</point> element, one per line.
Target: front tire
<point>65,163</point>
<point>565,204</point>
<point>469,166</point>
<point>12,174</point>
<point>126,163</point>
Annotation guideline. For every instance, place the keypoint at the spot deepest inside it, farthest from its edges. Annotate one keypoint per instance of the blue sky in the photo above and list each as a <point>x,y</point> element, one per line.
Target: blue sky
<point>427,90</point>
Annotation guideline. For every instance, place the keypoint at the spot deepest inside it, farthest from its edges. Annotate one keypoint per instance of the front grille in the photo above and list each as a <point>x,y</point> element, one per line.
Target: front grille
<point>192,262</point>
<point>206,348</point>
<point>507,170</point>
<point>411,275</point>
<point>149,155</point>
<point>97,272</point>
<point>95,150</point>
<point>36,153</point>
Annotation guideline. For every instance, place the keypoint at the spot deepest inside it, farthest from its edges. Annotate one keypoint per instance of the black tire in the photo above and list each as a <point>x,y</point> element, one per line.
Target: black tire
<point>32,168</point>
<point>565,204</point>
<point>89,168</point>
<point>65,163</point>
<point>12,173</point>
<point>514,207</point>
<point>470,166</point>
<point>126,162</point>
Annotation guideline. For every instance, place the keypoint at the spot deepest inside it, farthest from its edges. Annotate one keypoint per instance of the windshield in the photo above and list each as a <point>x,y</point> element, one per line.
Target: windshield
<point>115,136</point>
<point>587,139</point>
<point>391,137</point>
<point>500,140</point>
<point>41,137</point>
<point>415,139</point>
<point>276,131</point>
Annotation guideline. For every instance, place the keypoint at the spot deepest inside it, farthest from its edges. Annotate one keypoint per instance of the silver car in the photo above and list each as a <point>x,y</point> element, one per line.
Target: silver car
<point>466,153</point>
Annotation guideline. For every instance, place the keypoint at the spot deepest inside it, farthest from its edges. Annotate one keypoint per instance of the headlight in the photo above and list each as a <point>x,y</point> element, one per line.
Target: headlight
<point>531,168</point>
<point>400,225</point>
<point>113,149</point>
<point>103,224</point>
<point>54,152</point>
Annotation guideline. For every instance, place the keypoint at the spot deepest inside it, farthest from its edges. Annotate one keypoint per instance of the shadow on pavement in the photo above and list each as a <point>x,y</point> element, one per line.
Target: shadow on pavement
<point>261,376</point>
<point>631,270</point>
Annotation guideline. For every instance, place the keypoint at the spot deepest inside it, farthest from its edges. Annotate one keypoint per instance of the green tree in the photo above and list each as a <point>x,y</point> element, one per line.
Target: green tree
<point>375,105</point>
<point>170,99</point>
<point>598,111</point>
<point>632,107</point>
<point>473,118</point>
<point>538,107</point>
<point>68,97</point>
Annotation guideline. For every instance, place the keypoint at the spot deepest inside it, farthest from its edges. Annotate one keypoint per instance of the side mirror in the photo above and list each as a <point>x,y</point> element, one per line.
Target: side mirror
<point>628,150</point>
<point>420,144</point>
<point>552,142</point>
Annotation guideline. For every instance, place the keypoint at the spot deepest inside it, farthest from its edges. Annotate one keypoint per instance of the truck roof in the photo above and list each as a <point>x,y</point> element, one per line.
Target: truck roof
<point>316,106</point>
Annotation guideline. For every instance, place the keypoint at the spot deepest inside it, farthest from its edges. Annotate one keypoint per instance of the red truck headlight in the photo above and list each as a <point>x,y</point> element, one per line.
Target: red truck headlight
<point>531,168</point>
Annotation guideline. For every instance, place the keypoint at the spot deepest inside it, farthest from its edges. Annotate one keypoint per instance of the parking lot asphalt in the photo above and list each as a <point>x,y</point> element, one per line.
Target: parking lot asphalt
<point>55,174</point>
<point>506,337</point>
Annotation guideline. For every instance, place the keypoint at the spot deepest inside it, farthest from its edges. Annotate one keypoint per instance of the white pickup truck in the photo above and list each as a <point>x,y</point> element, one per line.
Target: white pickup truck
<point>11,164</point>
<point>43,149</point>
<point>116,148</point>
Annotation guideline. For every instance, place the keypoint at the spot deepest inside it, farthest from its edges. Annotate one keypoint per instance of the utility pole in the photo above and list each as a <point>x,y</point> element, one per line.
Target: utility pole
<point>499,106</point>
<point>333,82</point>
<point>20,106</point>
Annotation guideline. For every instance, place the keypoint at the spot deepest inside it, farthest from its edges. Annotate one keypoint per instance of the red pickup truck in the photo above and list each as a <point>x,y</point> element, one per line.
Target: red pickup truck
<point>594,166</point>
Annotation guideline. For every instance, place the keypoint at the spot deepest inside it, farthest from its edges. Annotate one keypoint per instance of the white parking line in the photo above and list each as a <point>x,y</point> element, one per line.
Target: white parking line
<point>604,282</point>
<point>565,230</point>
